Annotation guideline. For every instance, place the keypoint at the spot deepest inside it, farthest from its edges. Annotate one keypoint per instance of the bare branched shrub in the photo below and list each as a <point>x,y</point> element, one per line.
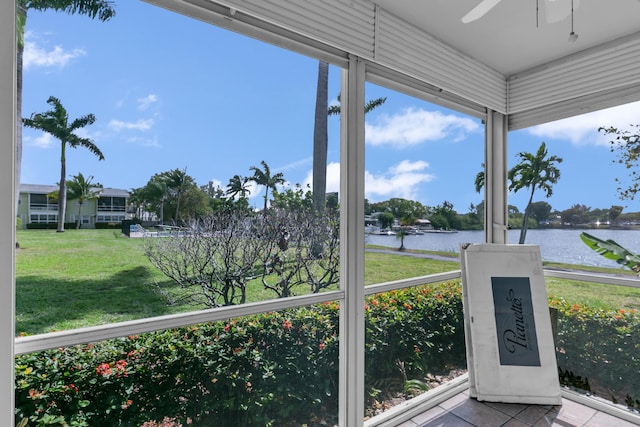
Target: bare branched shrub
<point>297,266</point>
<point>216,257</point>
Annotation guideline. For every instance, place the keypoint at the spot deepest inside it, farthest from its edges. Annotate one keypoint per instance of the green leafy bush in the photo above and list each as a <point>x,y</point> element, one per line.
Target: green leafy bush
<point>599,349</point>
<point>273,369</point>
<point>108,225</point>
<point>421,327</point>
<point>42,226</point>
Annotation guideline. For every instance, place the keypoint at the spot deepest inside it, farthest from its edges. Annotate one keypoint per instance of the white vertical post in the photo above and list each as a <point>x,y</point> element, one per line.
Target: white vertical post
<point>496,216</point>
<point>7,208</point>
<point>351,389</point>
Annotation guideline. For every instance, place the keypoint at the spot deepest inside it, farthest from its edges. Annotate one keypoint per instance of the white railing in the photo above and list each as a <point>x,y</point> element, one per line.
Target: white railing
<point>122,329</point>
<point>39,207</point>
<point>607,279</point>
<point>51,340</point>
<point>109,209</point>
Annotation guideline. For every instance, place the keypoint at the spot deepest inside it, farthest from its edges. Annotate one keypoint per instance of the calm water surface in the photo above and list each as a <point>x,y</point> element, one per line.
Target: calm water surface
<point>555,245</point>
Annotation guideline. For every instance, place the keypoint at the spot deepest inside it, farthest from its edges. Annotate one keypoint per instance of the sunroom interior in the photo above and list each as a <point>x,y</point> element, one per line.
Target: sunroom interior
<point>512,65</point>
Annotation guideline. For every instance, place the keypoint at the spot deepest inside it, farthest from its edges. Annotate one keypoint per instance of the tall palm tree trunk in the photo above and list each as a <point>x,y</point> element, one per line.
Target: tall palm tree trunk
<point>525,220</point>
<point>79,216</point>
<point>62,193</point>
<point>320,138</point>
<point>320,143</point>
<point>22,12</point>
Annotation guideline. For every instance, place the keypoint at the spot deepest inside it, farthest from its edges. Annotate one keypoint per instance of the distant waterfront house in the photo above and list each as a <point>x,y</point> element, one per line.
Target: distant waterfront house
<point>37,206</point>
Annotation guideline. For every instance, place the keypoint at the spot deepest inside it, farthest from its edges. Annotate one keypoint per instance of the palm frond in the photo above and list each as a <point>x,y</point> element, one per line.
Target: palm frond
<point>613,251</point>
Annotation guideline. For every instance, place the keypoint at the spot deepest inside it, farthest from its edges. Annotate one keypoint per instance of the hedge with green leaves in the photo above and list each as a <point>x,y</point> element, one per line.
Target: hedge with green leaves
<point>274,369</point>
<point>281,368</point>
<point>599,350</point>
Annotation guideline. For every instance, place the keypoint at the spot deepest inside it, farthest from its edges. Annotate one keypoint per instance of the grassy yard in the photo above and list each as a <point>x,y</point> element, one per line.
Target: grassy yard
<point>91,277</point>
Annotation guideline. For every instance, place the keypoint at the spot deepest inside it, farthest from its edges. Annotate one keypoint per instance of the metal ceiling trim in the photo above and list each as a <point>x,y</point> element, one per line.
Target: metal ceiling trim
<point>394,80</point>
<point>241,22</point>
<point>415,53</point>
<point>347,25</point>
<point>334,29</point>
<point>596,71</point>
<point>575,106</point>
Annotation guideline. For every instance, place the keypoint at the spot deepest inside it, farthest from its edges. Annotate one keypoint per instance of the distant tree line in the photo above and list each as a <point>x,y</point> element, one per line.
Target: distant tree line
<point>174,197</point>
<point>542,215</point>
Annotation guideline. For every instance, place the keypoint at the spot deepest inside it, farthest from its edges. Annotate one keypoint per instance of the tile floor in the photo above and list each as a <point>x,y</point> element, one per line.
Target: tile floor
<point>463,411</point>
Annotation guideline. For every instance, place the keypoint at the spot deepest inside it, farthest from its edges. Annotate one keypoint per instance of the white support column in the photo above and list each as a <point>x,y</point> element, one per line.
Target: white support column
<point>7,207</point>
<point>496,216</point>
<point>351,388</point>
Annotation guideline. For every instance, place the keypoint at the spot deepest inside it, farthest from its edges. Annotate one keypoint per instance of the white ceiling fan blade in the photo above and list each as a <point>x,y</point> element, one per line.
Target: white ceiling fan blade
<point>478,12</point>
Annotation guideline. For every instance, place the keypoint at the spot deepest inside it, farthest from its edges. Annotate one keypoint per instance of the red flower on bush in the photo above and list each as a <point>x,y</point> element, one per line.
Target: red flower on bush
<point>321,346</point>
<point>286,324</point>
<point>103,369</point>
<point>35,394</point>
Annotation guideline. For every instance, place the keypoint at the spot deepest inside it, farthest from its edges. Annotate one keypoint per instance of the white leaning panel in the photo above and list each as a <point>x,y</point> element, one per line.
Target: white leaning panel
<point>510,350</point>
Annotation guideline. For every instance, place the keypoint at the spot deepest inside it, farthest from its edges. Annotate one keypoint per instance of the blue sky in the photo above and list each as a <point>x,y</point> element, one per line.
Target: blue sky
<point>170,92</point>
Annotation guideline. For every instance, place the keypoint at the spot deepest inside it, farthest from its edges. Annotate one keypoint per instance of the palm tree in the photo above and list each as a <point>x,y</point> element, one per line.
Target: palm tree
<point>479,182</point>
<point>263,177</point>
<point>156,191</point>
<point>534,172</point>
<point>101,9</point>
<point>83,190</point>
<point>334,110</point>
<point>400,234</point>
<point>320,134</point>
<point>176,180</point>
<point>238,186</point>
<point>56,123</point>
<point>320,138</point>
<point>136,199</point>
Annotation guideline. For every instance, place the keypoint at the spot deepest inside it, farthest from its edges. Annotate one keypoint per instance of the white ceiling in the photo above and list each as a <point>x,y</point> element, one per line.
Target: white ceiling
<point>507,38</point>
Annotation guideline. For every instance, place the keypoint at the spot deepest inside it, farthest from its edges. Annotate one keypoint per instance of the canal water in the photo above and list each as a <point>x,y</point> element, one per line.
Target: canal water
<point>555,245</point>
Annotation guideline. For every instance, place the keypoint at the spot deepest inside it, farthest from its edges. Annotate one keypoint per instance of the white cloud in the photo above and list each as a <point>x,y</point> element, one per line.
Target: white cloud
<point>407,166</point>
<point>400,180</point>
<point>254,190</point>
<point>141,125</point>
<point>333,178</point>
<point>144,142</point>
<point>296,164</point>
<point>44,140</point>
<point>147,101</point>
<point>583,129</point>
<point>416,126</point>
<point>37,56</point>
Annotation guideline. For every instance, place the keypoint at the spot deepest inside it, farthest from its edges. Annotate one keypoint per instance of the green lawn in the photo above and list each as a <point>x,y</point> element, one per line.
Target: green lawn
<point>90,277</point>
